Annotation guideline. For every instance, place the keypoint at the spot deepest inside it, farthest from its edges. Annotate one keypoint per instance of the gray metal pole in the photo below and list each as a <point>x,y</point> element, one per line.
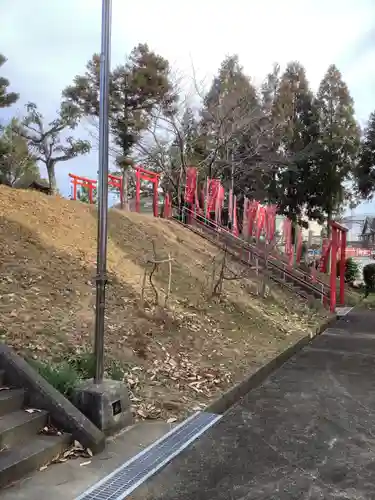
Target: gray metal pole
<point>101,267</point>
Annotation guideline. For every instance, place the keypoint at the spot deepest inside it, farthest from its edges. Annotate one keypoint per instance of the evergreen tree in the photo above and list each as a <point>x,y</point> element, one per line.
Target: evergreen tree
<point>17,164</point>
<point>47,142</point>
<point>365,172</point>
<point>269,90</point>
<point>191,142</point>
<point>137,88</point>
<point>339,143</point>
<point>6,98</point>
<point>295,134</point>
<point>229,118</point>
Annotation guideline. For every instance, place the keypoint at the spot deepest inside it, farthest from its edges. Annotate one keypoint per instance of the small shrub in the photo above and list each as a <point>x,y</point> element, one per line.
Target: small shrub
<point>59,375</point>
<point>351,270</point>
<point>83,364</point>
<point>65,376</point>
<point>369,278</point>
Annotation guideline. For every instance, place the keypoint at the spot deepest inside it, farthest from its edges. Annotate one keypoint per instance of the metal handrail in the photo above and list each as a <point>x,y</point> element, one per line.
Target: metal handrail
<point>297,276</point>
<point>273,278</point>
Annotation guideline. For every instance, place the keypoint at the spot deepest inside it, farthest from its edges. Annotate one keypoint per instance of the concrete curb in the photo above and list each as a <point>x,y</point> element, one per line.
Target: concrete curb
<point>40,394</point>
<point>233,395</point>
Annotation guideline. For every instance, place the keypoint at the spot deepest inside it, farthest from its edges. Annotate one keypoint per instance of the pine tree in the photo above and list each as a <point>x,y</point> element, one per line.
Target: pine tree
<point>365,172</point>
<point>6,98</point>
<point>339,143</point>
<point>137,88</point>
<point>272,138</point>
<point>269,90</point>
<point>230,115</point>
<point>17,164</point>
<point>295,134</point>
<point>47,141</point>
<point>190,137</point>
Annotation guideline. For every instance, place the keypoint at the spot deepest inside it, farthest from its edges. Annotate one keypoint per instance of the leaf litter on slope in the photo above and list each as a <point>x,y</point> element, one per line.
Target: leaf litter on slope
<point>174,361</point>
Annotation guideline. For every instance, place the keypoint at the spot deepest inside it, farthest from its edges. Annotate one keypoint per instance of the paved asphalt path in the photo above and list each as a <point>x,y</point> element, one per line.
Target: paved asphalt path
<point>307,433</point>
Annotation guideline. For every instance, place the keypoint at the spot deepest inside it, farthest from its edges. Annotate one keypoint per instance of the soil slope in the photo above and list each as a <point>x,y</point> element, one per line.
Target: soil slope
<point>175,359</point>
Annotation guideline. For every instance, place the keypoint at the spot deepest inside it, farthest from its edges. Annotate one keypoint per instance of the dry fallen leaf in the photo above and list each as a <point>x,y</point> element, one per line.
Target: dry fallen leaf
<point>171,420</point>
<point>197,342</point>
<point>77,445</point>
<point>85,463</point>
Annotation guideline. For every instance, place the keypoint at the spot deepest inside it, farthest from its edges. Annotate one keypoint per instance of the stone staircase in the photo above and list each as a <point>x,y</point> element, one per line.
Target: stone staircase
<point>25,443</point>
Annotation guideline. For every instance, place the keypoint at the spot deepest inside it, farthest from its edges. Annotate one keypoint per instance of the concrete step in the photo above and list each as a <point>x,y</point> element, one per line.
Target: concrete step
<point>23,459</point>
<point>20,425</point>
<point>11,400</point>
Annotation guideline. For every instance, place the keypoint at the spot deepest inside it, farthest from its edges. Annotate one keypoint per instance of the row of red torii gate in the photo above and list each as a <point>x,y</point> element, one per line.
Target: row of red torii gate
<point>258,221</point>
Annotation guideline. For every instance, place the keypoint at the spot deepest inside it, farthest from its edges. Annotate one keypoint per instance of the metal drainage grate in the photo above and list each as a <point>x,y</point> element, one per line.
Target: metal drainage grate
<point>120,483</point>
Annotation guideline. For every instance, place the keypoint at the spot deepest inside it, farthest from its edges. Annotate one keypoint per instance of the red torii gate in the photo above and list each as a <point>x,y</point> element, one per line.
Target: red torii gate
<point>116,182</point>
<point>331,249</point>
<point>338,243</point>
<point>90,184</point>
<point>255,214</point>
<point>149,176</point>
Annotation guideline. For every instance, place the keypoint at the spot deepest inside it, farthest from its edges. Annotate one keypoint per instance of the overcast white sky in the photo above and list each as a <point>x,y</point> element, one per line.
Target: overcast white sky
<point>48,42</point>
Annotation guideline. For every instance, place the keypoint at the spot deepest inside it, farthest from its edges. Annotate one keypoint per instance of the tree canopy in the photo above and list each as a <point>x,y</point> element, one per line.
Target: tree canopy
<point>339,144</point>
<point>47,141</point>
<point>276,142</point>
<point>17,164</point>
<point>137,87</point>
<point>6,98</point>
<point>365,171</point>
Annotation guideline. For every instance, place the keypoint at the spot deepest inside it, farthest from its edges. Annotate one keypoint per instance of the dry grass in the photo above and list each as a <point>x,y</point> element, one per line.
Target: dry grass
<point>175,360</point>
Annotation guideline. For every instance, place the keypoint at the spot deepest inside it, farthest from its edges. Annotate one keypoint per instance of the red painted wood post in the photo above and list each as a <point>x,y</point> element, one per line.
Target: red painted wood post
<point>74,180</point>
<point>342,268</point>
<point>156,196</point>
<point>230,207</point>
<point>90,188</point>
<point>170,206</point>
<point>137,191</point>
<point>235,224</point>
<point>333,269</point>
<point>121,187</point>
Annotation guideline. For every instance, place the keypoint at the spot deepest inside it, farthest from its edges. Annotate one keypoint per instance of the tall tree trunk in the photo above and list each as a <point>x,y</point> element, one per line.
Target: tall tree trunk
<point>126,189</point>
<point>329,220</point>
<point>124,198</point>
<point>51,176</point>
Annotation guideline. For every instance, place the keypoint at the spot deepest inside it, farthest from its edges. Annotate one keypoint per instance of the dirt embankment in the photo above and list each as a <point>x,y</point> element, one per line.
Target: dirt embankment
<point>175,360</point>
